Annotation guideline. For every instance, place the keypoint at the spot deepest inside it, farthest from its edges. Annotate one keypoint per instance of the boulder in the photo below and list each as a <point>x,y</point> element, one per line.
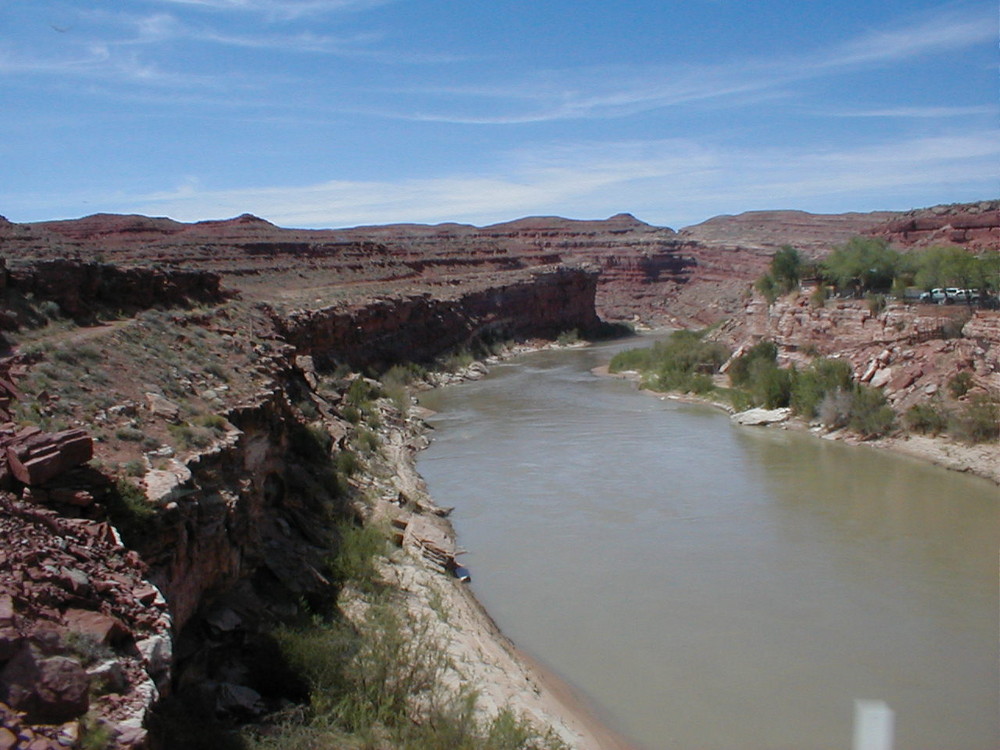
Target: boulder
<point>35,457</point>
<point>101,628</point>
<point>762,416</point>
<point>163,407</point>
<point>47,689</point>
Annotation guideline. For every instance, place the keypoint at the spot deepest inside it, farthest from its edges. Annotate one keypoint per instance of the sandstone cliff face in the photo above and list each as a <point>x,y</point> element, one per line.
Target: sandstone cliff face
<point>238,512</point>
<point>972,225</point>
<point>418,328</point>
<point>82,289</point>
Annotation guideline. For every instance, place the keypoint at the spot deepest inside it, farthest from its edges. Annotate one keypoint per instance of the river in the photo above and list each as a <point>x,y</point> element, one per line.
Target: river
<point>708,586</point>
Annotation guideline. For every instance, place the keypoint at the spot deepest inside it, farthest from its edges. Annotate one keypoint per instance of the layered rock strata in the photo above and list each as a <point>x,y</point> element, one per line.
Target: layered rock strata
<point>911,352</point>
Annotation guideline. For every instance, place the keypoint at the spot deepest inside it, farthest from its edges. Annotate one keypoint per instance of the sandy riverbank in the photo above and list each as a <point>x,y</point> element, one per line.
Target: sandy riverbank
<point>982,460</point>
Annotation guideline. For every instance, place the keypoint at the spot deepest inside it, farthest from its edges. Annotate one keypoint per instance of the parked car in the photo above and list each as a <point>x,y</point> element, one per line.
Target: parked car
<point>939,295</point>
<point>950,295</point>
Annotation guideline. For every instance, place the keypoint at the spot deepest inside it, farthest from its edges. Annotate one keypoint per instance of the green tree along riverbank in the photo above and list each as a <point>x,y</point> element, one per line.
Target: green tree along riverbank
<point>867,265</point>
<point>824,391</point>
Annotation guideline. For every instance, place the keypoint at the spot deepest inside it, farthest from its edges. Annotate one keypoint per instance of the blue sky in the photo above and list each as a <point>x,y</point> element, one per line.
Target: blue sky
<point>329,113</point>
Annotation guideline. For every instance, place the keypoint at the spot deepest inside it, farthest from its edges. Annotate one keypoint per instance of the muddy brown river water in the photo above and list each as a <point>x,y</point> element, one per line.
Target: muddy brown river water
<point>714,587</point>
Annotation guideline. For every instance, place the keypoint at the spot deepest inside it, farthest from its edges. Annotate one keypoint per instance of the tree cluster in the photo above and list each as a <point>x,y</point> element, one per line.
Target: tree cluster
<point>866,265</point>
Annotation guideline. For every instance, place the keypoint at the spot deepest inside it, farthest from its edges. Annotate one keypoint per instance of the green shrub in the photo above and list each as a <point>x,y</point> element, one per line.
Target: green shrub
<point>135,468</point>
<point>926,418</point>
<point>739,368</point>
<point>130,434</point>
<point>347,463</point>
<point>768,287</point>
<point>94,735</point>
<point>218,370</point>
<point>367,441</point>
<point>50,309</point>
<point>683,362</point>
<point>357,548</point>
<point>834,409</point>
<point>870,416</point>
<point>769,386</point>
<point>191,436</point>
<point>978,421</point>
<point>566,338</point>
<point>130,511</point>
<point>959,385</point>
<point>819,295</point>
<point>361,393</point>
<point>811,385</point>
<point>381,684</point>
<point>457,360</point>
<point>876,303</point>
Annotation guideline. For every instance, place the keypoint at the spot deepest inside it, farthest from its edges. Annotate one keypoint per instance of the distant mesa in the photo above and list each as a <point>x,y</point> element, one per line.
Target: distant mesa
<point>241,219</point>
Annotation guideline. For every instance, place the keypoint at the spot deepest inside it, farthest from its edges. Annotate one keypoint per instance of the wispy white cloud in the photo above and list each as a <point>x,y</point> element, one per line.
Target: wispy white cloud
<point>668,182</point>
<point>938,33</point>
<point>610,92</point>
<point>917,112</point>
<point>281,9</point>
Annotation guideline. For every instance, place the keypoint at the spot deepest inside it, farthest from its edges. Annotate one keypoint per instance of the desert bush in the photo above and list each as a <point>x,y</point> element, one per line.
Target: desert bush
<point>457,360</point>
<point>135,468</point>
<point>50,309</point>
<point>769,386</point>
<point>819,295</point>
<point>218,370</point>
<point>130,511</point>
<point>130,434</point>
<point>809,386</point>
<point>978,421</point>
<point>347,463</point>
<point>674,364</point>
<point>357,548</point>
<point>310,443</point>
<point>739,368</point>
<point>189,436</point>
<point>768,288</point>
<point>308,408</point>
<point>381,684</point>
<point>366,441</point>
<point>959,385</point>
<point>926,418</point>
<point>870,416</point>
<point>360,393</point>
<point>876,303</point>
<point>567,338</point>
<point>834,409</point>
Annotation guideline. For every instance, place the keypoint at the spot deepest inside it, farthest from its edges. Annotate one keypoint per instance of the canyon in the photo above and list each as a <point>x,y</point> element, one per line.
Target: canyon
<point>187,391</point>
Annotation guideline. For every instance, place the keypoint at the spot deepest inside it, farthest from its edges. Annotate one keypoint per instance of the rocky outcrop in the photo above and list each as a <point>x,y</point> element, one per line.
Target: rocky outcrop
<point>910,351</point>
<point>247,508</point>
<point>83,289</point>
<point>417,328</point>
<point>972,225</point>
<point>80,629</point>
<point>34,457</point>
<point>813,234</point>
